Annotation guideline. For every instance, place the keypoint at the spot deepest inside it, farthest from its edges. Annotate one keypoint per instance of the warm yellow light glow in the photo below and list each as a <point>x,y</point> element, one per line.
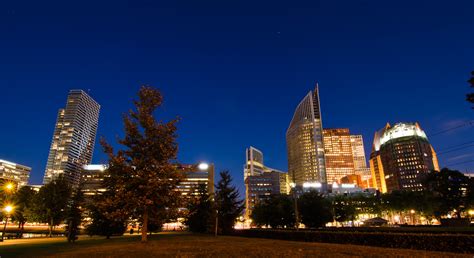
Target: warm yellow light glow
<point>9,186</point>
<point>412,211</point>
<point>8,209</point>
<point>471,212</point>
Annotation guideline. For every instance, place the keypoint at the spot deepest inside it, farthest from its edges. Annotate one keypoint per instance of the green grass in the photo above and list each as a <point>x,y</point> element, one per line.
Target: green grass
<point>192,245</point>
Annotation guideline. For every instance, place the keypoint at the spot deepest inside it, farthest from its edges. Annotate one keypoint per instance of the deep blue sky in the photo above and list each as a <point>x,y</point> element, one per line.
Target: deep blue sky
<point>235,70</point>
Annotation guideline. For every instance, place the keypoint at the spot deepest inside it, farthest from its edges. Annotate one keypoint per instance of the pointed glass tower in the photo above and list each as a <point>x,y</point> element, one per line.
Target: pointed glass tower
<point>304,139</point>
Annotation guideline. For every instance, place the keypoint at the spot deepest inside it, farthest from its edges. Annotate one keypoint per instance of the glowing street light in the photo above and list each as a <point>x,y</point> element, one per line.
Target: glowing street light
<point>471,212</point>
<point>9,186</point>
<point>8,210</point>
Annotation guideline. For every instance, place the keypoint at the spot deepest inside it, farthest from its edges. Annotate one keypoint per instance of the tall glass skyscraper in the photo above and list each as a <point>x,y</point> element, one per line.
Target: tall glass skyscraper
<point>304,139</point>
<point>339,154</point>
<point>74,138</point>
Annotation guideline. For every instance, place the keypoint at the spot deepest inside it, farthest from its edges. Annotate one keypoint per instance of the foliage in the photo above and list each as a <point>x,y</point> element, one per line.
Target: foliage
<point>200,211</point>
<point>24,205</point>
<point>451,191</point>
<point>142,174</point>
<point>277,212</point>
<point>470,96</point>
<point>101,224</point>
<point>51,202</point>
<point>74,215</point>
<point>344,209</point>
<point>314,209</point>
<point>227,202</point>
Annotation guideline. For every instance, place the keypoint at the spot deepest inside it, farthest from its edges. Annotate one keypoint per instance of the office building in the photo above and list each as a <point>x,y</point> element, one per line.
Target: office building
<point>401,156</point>
<point>92,178</point>
<point>195,175</point>
<point>360,161</point>
<point>260,181</point>
<point>304,139</point>
<point>338,153</point>
<point>74,138</point>
<point>13,172</point>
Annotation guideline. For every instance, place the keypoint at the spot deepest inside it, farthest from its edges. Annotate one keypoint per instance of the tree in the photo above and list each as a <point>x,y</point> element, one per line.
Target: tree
<point>470,96</point>
<point>277,212</point>
<point>51,202</point>
<point>228,205</point>
<point>200,211</point>
<point>314,209</point>
<point>450,189</point>
<point>143,173</point>
<point>101,224</point>
<point>74,215</point>
<point>24,202</point>
<point>344,209</point>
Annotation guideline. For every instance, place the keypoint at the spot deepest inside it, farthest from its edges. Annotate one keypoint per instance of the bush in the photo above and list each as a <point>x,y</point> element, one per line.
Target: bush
<point>420,241</point>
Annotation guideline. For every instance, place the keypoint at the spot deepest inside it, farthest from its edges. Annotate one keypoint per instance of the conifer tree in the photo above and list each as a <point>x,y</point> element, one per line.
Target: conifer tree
<point>143,173</point>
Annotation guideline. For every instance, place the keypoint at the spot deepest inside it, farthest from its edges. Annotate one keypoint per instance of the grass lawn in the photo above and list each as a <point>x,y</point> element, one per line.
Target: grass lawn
<point>190,245</point>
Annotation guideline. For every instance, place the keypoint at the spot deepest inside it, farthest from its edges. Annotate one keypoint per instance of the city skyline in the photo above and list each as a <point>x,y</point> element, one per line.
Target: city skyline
<point>235,83</point>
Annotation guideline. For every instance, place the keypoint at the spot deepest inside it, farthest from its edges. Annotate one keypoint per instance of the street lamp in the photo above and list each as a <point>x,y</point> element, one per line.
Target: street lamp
<point>8,210</point>
<point>9,187</point>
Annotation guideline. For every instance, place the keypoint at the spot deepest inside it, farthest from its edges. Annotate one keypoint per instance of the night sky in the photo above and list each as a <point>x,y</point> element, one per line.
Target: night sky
<point>234,71</point>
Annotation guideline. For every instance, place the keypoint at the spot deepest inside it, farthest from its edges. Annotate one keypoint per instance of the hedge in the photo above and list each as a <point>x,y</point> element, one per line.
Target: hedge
<point>420,241</point>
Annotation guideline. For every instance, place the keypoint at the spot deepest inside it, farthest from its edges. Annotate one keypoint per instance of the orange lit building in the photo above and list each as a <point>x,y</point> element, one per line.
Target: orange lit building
<point>338,152</point>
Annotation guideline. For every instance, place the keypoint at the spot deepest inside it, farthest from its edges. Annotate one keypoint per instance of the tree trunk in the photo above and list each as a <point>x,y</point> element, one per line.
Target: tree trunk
<point>145,226</point>
<point>51,228</point>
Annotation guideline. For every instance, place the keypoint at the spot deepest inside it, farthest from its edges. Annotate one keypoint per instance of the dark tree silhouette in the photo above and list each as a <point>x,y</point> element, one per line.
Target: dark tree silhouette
<point>277,212</point>
<point>229,206</point>
<point>451,191</point>
<point>470,96</point>
<point>314,209</point>
<point>51,202</point>
<point>74,215</point>
<point>200,211</point>
<point>143,172</point>
<point>24,202</point>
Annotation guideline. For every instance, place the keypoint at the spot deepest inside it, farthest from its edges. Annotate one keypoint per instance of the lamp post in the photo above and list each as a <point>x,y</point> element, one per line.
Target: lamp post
<point>8,209</point>
<point>412,212</point>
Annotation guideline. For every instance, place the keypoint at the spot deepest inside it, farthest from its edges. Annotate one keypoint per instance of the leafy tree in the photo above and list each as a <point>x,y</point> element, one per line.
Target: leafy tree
<point>314,209</point>
<point>470,96</point>
<point>277,212</point>
<point>450,189</point>
<point>344,209</point>
<point>101,224</point>
<point>24,202</point>
<point>51,202</point>
<point>142,173</point>
<point>228,205</point>
<point>74,215</point>
<point>200,211</point>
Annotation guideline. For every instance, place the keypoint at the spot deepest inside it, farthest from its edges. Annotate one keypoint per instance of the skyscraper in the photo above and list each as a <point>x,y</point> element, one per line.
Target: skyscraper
<point>304,139</point>
<point>338,152</point>
<point>260,181</point>
<point>360,162</point>
<point>74,138</point>
<point>401,156</point>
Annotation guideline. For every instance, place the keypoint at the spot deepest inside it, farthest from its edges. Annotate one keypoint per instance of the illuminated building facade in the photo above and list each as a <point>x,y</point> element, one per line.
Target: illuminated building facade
<point>14,172</point>
<point>92,177</point>
<point>261,181</point>
<point>195,175</point>
<point>74,138</point>
<point>400,158</point>
<point>338,153</point>
<point>304,139</point>
<point>360,162</point>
